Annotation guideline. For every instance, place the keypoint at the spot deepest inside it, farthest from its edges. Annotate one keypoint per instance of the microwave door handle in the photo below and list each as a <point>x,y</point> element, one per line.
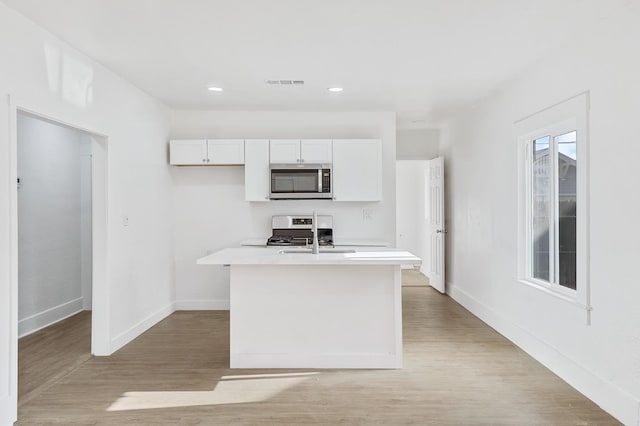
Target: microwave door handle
<point>320,181</point>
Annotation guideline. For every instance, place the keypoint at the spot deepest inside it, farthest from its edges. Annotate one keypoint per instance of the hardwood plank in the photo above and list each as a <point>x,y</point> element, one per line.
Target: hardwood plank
<point>457,371</point>
<point>411,277</point>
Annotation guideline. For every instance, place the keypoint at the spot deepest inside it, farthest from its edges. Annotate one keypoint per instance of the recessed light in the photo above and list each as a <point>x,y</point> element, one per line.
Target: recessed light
<point>335,89</point>
<point>215,89</point>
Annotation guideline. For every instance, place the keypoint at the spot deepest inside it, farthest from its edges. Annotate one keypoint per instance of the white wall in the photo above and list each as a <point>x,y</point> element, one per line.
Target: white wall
<point>46,76</point>
<point>417,144</point>
<point>210,209</point>
<point>602,360</point>
<point>50,234</point>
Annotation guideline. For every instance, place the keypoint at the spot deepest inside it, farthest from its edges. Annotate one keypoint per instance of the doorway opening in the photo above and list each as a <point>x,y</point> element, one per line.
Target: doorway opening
<point>61,227</point>
<point>420,219</point>
<point>412,217</point>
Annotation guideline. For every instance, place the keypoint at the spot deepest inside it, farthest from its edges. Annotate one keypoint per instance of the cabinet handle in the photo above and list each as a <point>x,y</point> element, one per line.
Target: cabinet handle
<point>302,160</point>
<point>266,198</point>
<point>204,160</point>
<point>208,160</point>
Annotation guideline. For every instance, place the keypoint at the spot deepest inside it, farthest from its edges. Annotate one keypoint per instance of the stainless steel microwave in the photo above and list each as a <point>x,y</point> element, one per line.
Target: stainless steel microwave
<point>300,181</point>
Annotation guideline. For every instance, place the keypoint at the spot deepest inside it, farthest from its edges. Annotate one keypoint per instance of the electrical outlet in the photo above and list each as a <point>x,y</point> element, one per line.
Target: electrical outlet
<point>125,220</point>
<point>367,214</point>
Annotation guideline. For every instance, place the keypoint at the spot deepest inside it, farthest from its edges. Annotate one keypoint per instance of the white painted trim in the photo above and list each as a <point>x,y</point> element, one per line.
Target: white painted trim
<point>99,191</point>
<point>202,305</point>
<point>328,360</point>
<point>607,395</point>
<point>544,288</point>
<point>100,267</point>
<point>9,404</point>
<point>563,117</point>
<point>49,317</point>
<point>7,418</point>
<point>128,335</point>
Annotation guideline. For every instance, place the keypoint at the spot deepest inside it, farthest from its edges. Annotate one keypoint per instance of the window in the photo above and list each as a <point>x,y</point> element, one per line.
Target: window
<point>552,215</point>
<point>553,221</point>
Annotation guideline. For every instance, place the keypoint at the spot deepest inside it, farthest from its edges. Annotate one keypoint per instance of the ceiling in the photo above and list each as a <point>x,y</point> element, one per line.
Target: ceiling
<point>423,59</point>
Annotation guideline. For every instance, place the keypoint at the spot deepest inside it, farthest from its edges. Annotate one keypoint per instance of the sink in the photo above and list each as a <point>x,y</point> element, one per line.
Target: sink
<point>308,251</point>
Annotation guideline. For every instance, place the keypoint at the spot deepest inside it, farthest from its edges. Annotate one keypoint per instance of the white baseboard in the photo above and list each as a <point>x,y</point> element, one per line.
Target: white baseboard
<point>607,395</point>
<point>127,336</point>
<point>48,317</point>
<point>8,411</point>
<point>202,305</point>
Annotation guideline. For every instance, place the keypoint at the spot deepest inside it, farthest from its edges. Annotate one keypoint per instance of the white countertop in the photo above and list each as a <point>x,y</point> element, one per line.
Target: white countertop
<point>363,242</point>
<point>272,256</point>
<point>353,242</point>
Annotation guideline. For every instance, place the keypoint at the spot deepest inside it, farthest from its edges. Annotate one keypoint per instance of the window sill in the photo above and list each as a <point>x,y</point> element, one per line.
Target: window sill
<point>558,294</point>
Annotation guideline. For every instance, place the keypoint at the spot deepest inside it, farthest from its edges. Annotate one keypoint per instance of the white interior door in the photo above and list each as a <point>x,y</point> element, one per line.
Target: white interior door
<point>438,230</point>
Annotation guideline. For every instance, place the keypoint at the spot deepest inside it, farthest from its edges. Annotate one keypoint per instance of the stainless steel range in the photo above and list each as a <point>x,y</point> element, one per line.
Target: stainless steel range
<point>297,230</point>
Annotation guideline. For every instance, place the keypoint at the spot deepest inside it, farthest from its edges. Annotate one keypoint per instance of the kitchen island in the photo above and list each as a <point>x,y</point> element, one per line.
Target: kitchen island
<point>293,309</point>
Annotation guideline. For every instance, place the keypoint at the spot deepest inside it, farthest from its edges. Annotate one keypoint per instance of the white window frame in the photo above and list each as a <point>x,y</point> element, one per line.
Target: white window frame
<point>570,115</point>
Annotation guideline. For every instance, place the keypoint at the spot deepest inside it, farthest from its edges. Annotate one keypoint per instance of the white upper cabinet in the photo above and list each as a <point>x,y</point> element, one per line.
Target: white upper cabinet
<point>202,152</point>
<point>316,151</point>
<point>357,170</point>
<point>291,151</point>
<point>188,152</point>
<point>226,151</point>
<point>256,170</point>
<point>284,150</point>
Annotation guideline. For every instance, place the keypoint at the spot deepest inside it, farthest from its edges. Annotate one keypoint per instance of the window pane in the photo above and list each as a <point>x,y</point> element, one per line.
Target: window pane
<point>567,179</point>
<point>541,197</point>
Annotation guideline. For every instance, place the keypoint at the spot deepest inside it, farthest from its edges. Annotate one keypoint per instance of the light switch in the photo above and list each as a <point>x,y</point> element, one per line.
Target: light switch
<point>125,220</point>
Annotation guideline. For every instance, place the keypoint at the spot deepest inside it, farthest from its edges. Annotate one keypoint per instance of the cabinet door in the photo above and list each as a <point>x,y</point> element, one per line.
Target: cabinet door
<point>357,170</point>
<point>256,170</point>
<point>315,151</point>
<point>226,151</point>
<point>284,150</point>
<point>188,152</point>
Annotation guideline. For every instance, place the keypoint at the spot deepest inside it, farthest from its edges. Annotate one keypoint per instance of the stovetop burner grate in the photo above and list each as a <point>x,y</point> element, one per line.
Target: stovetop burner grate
<point>298,231</point>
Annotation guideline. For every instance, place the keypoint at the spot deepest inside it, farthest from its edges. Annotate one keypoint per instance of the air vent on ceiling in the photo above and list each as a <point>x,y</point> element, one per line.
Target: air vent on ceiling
<point>286,82</point>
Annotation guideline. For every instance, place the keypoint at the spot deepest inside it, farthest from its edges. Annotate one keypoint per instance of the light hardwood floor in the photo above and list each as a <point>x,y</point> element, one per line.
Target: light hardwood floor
<point>457,371</point>
<point>411,277</point>
<point>49,354</point>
